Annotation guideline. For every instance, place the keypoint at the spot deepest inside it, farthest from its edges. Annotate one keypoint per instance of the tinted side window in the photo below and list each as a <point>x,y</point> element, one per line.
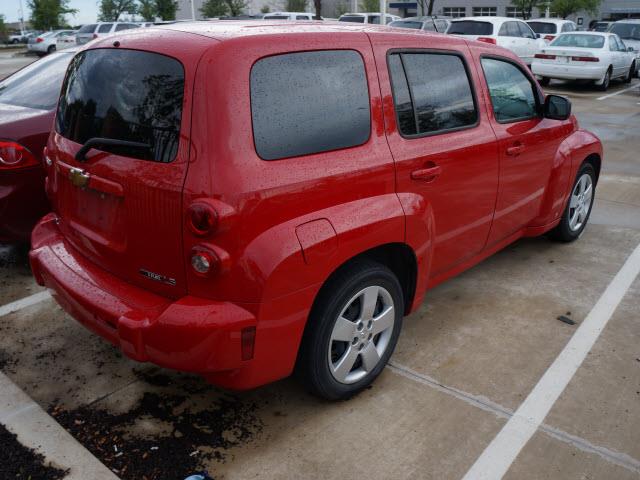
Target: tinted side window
<point>105,28</point>
<point>525,30</point>
<point>429,25</point>
<point>87,28</point>
<point>567,27</point>
<point>309,102</point>
<point>512,94</point>
<point>124,95</point>
<point>125,26</point>
<point>509,29</point>
<point>438,88</point>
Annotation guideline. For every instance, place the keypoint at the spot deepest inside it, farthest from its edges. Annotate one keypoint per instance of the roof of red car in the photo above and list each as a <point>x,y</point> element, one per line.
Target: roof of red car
<point>237,28</point>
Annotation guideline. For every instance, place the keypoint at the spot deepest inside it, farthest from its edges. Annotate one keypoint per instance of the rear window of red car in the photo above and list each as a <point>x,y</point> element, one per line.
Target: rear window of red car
<point>123,95</point>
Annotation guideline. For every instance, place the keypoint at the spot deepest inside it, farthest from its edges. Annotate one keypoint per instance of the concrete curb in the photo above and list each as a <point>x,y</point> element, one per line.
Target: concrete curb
<point>38,430</point>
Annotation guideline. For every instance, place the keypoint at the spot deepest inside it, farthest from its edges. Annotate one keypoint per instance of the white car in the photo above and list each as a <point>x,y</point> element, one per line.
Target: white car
<point>367,17</point>
<point>507,32</point>
<point>47,42</point>
<point>101,29</point>
<point>595,56</point>
<point>549,28</point>
<point>629,31</point>
<point>289,16</point>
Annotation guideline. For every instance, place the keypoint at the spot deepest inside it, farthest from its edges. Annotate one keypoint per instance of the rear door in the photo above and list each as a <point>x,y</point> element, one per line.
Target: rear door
<point>442,143</point>
<point>530,45</point>
<point>120,205</point>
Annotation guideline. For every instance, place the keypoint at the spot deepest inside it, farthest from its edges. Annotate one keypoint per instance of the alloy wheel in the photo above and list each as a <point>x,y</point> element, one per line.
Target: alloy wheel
<point>580,202</point>
<point>361,334</point>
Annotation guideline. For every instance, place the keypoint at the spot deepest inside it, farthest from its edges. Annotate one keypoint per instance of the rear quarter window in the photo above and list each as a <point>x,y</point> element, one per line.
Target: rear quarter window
<point>309,102</point>
<point>123,95</point>
<point>87,28</point>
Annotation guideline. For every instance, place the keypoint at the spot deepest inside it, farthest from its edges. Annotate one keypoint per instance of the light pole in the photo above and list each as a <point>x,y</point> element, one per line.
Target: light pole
<point>193,11</point>
<point>21,18</point>
<point>383,12</point>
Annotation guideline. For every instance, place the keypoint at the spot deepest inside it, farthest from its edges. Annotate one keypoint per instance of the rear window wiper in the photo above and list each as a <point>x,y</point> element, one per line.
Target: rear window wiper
<point>106,142</point>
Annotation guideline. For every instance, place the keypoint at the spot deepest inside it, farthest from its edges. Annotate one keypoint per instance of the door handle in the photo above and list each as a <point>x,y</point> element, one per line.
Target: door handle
<point>428,174</point>
<point>515,150</point>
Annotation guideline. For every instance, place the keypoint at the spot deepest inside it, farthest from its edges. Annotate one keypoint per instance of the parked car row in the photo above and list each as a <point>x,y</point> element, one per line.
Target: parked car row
<point>297,237</point>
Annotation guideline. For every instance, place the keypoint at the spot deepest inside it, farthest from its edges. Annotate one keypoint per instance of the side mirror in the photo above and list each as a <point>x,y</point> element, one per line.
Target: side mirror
<point>557,107</point>
<point>538,35</point>
<point>630,49</point>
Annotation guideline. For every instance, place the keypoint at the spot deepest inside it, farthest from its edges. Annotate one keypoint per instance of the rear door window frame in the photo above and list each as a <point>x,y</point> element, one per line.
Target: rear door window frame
<point>472,86</point>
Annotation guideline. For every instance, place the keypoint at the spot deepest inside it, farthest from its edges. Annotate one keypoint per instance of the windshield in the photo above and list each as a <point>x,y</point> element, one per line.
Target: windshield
<point>543,27</point>
<point>87,29</point>
<point>626,31</point>
<point>403,24</point>
<point>352,18</point>
<point>36,85</point>
<point>581,41</point>
<point>124,95</point>
<point>470,27</point>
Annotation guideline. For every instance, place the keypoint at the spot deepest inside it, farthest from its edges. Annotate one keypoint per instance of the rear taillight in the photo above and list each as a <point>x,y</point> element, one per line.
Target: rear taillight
<point>549,37</point>
<point>14,156</point>
<point>202,219</point>
<point>487,40</point>
<point>38,40</point>
<point>585,59</point>
<point>203,261</point>
<point>545,56</point>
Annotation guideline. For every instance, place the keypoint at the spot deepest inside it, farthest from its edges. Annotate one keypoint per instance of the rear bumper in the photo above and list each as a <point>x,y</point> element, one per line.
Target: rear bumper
<point>190,334</point>
<point>569,72</point>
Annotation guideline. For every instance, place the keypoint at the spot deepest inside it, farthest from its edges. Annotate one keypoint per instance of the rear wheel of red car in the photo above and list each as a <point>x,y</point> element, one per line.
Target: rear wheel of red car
<point>576,215</point>
<point>352,331</point>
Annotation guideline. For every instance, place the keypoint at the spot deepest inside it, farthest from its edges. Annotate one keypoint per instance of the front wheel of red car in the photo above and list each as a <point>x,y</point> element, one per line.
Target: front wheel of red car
<point>576,214</point>
<point>352,331</point>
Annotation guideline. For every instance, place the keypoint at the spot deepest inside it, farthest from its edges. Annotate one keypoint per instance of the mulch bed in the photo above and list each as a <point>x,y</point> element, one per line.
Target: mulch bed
<point>20,462</point>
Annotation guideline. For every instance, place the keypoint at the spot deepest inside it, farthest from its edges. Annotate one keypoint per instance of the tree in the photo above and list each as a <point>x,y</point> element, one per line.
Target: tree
<point>147,9</point>
<point>341,8</point>
<point>295,5</point>
<point>525,6</point>
<point>110,10</point>
<point>236,7</point>
<point>317,4</point>
<point>265,9</point>
<point>564,8</point>
<point>166,9</point>
<point>214,8</point>
<point>49,14</point>
<point>370,5</point>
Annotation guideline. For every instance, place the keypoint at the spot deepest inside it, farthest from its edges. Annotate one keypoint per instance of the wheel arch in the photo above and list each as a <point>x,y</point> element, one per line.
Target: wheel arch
<point>596,161</point>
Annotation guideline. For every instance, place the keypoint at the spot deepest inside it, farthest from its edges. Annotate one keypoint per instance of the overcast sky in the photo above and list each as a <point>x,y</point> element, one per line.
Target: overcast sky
<point>87,11</point>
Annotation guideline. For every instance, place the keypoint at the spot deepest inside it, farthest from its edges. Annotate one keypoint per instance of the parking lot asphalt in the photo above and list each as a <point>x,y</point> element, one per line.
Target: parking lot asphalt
<point>12,60</point>
<point>466,360</point>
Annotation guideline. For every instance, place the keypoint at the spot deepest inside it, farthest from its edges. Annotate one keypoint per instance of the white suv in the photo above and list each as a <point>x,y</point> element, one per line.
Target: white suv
<point>507,32</point>
<point>550,28</point>
<point>367,17</point>
<point>101,29</point>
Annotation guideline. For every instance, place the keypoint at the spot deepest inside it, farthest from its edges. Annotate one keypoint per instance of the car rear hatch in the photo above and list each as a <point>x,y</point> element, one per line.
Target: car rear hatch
<point>119,203</point>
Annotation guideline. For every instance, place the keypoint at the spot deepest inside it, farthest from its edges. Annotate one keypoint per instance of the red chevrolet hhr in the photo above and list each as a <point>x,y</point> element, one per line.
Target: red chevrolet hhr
<point>243,200</point>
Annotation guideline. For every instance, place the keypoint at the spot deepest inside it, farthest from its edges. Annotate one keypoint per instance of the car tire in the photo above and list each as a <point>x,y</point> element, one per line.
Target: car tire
<point>14,41</point>
<point>579,205</point>
<point>544,81</point>
<point>604,86</point>
<point>632,72</point>
<point>51,49</point>
<point>352,330</point>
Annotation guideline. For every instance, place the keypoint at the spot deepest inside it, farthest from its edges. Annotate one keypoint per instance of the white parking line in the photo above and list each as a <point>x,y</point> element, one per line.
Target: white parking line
<point>604,97</point>
<point>496,459</point>
<point>38,430</point>
<point>24,302</point>
<point>611,456</point>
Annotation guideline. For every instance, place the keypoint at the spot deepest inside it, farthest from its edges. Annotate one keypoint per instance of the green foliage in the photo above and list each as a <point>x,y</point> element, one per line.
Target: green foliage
<point>49,14</point>
<point>110,10</point>
<point>564,8</point>
<point>3,27</point>
<point>214,8</point>
<point>166,9</point>
<point>147,9</point>
<point>341,8</point>
<point>370,6</point>
<point>295,5</point>
<point>265,9</point>
<point>526,6</point>
<point>236,7</point>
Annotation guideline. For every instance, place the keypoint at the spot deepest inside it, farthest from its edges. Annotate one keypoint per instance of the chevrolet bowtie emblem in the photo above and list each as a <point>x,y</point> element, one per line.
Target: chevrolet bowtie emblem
<point>79,178</point>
